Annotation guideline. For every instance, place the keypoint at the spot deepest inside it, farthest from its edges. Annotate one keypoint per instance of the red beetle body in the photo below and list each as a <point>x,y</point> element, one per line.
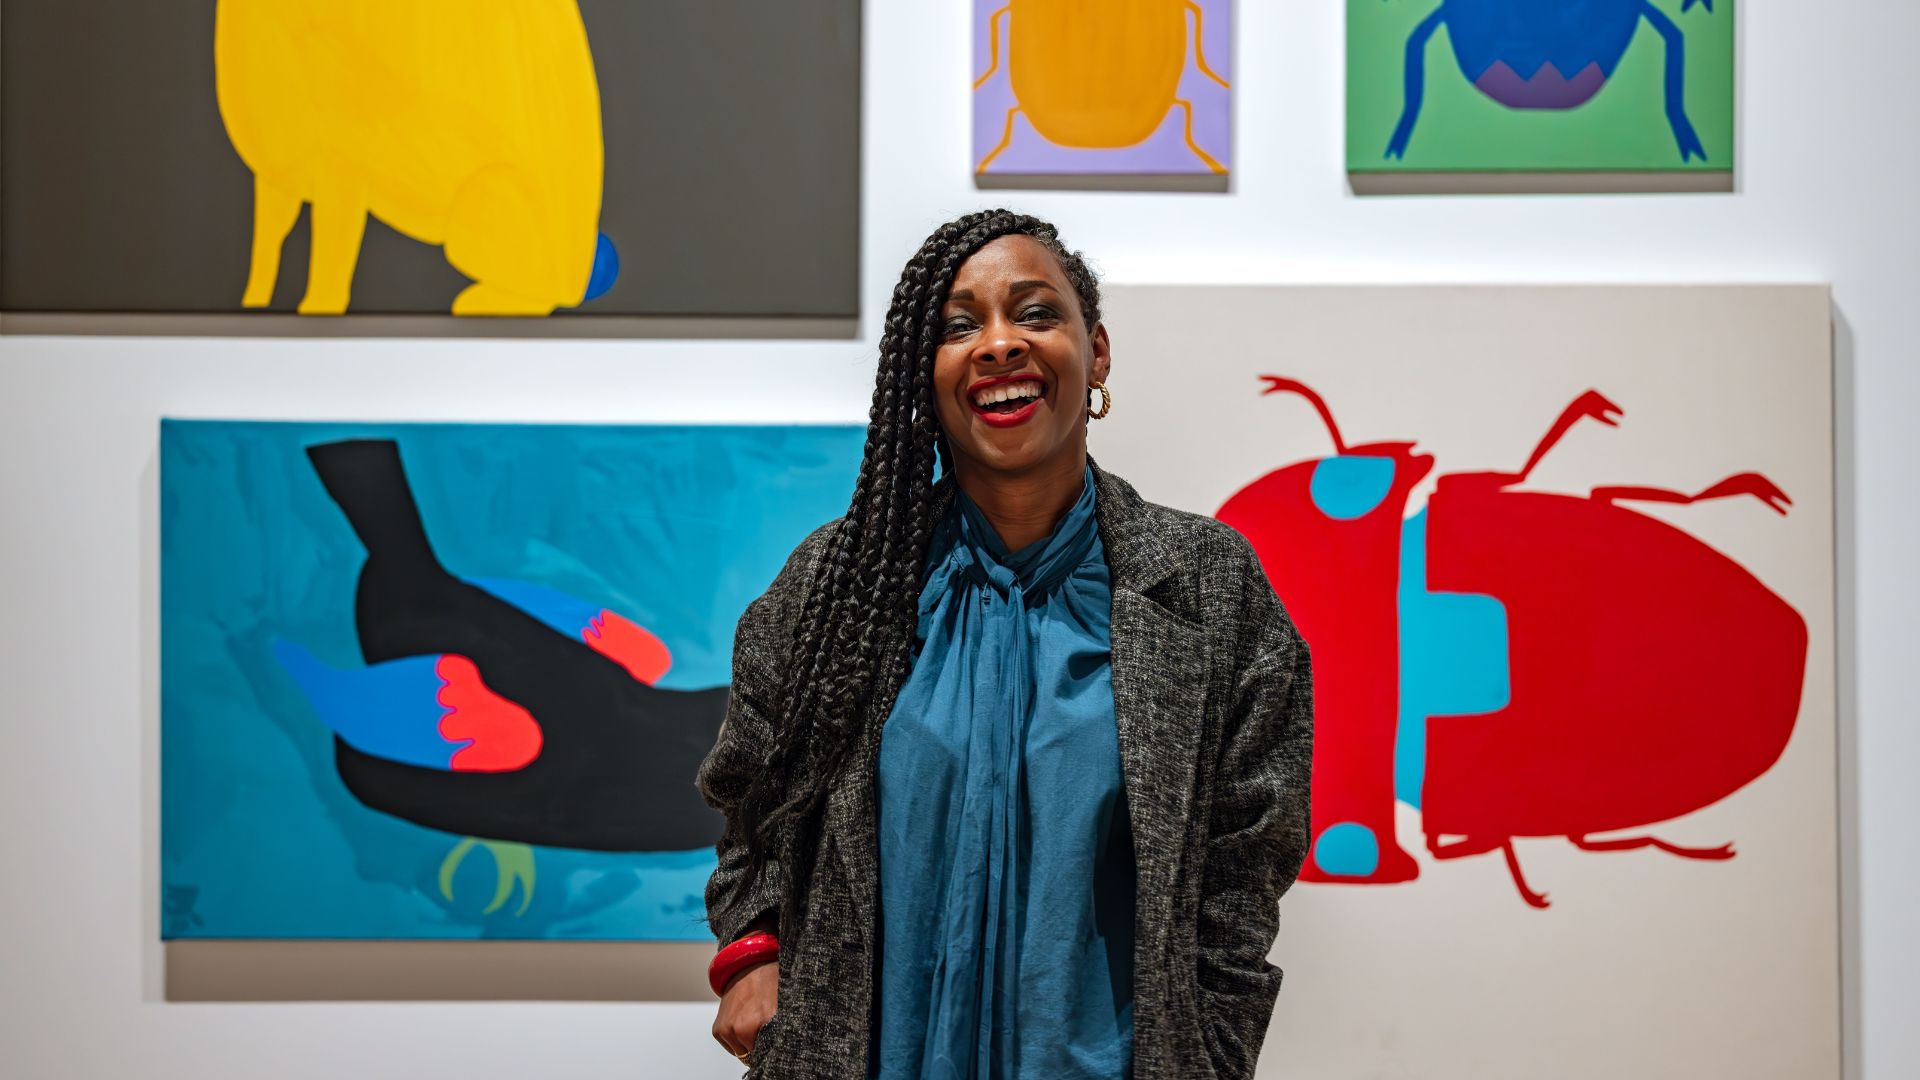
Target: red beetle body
<point>1645,674</point>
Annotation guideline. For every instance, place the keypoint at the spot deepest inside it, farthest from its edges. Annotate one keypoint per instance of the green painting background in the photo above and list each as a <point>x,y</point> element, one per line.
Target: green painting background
<point>1623,127</point>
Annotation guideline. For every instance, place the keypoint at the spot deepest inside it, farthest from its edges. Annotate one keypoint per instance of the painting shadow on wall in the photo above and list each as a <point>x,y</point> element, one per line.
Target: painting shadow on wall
<point>1541,183</point>
<point>1196,182</point>
<point>435,971</point>
<point>1847,681</point>
<point>548,328</point>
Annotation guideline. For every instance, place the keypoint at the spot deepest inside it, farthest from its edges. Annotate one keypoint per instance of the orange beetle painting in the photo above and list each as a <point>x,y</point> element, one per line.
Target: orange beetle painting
<point>1104,86</point>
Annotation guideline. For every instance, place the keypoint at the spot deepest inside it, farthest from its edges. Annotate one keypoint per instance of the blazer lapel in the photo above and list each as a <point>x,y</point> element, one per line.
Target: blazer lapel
<point>1160,663</point>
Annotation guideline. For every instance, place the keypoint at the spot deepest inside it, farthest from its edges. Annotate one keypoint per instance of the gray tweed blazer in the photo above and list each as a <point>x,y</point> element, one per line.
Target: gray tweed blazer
<point>1213,697</point>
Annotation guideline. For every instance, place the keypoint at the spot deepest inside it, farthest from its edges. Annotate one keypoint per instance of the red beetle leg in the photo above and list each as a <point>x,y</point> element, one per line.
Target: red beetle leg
<point>1536,899</point>
<point>1724,851</point>
<point>1588,406</point>
<point>1747,483</point>
<point>1474,845</point>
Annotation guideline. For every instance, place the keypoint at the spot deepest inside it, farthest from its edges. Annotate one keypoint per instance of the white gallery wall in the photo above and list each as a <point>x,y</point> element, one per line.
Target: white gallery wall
<point>1828,163</point>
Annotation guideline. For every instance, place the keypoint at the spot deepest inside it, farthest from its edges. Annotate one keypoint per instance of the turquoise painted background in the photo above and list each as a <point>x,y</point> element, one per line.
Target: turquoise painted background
<point>675,527</point>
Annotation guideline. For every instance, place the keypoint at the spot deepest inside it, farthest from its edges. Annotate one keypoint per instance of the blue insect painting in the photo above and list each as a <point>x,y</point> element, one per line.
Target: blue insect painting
<point>1542,54</point>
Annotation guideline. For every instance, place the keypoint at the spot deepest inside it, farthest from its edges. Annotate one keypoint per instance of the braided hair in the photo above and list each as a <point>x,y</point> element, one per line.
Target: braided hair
<point>869,581</point>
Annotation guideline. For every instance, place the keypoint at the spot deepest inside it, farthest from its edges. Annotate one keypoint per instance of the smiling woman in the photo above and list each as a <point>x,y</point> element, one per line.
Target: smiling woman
<point>1016,764</point>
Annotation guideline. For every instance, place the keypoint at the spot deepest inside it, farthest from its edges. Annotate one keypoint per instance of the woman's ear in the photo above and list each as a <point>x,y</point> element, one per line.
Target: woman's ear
<point>1102,353</point>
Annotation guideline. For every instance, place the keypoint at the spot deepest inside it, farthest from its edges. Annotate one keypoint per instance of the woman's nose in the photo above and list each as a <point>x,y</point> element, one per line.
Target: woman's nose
<point>1000,344</point>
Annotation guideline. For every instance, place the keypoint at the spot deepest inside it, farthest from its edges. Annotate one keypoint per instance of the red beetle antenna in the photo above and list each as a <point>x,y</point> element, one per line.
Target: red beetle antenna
<point>1278,383</point>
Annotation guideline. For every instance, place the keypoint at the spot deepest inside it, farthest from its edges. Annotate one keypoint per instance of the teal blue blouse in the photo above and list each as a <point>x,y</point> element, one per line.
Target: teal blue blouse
<point>1006,855</point>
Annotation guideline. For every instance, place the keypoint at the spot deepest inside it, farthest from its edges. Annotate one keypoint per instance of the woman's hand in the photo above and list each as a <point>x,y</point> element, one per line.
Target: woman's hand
<point>748,1002</point>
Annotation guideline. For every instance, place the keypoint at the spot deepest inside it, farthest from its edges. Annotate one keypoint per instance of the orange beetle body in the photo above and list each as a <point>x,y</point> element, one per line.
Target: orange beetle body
<point>1097,74</point>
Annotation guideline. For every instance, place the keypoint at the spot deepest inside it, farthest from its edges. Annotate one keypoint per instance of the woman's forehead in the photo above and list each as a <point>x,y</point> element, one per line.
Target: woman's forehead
<point>1008,259</point>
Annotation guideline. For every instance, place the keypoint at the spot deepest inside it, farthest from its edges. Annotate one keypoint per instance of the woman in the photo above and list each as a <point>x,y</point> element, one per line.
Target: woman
<point>1015,767</point>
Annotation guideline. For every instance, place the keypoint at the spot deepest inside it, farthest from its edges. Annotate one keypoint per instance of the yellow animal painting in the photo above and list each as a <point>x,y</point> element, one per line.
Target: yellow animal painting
<point>469,124</point>
<point>1097,74</point>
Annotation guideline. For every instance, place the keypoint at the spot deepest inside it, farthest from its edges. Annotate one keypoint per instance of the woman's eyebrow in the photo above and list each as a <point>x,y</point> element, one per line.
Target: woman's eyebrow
<point>1015,289</point>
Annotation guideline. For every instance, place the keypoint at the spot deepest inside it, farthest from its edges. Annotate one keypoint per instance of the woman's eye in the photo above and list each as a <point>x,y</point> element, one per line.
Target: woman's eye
<point>959,325</point>
<point>1037,311</point>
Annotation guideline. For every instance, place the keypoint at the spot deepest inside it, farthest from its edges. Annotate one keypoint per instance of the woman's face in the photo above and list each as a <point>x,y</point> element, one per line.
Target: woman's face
<point>1012,330</point>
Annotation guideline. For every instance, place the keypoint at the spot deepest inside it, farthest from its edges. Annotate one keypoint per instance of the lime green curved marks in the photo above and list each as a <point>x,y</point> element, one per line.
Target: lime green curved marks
<point>512,861</point>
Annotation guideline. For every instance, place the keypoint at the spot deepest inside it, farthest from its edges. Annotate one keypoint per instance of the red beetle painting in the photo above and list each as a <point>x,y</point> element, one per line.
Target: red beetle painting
<point>1517,663</point>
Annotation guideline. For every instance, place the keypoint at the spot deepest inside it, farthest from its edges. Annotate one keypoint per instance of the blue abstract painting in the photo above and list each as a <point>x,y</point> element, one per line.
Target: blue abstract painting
<point>446,681</point>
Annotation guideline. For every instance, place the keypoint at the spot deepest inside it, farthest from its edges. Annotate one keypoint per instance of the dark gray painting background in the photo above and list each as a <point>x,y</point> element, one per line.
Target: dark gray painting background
<point>732,164</point>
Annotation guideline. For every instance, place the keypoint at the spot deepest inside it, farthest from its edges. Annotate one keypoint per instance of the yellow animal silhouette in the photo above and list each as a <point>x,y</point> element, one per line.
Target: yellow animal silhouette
<point>471,124</point>
<point>1097,74</point>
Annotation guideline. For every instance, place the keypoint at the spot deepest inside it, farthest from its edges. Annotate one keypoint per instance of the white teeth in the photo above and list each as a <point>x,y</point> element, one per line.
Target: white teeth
<point>1007,391</point>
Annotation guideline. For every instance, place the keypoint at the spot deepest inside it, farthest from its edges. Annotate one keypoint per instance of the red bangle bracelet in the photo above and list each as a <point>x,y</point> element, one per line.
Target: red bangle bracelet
<point>738,956</point>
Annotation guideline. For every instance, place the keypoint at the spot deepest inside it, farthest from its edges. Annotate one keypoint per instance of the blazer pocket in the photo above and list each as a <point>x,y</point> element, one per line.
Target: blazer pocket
<point>762,1039</point>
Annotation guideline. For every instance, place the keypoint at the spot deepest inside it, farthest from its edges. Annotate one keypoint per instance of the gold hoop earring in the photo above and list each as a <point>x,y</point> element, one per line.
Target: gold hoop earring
<point>1106,401</point>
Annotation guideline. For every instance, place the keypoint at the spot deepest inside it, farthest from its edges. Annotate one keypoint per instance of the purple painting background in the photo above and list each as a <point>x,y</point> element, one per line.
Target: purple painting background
<point>1165,151</point>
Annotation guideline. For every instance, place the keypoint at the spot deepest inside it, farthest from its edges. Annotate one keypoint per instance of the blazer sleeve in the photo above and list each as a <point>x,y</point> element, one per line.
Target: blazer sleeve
<point>761,642</point>
<point>1258,833</point>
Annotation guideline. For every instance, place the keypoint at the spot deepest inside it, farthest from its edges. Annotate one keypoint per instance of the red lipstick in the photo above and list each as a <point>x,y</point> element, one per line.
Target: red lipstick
<point>1015,417</point>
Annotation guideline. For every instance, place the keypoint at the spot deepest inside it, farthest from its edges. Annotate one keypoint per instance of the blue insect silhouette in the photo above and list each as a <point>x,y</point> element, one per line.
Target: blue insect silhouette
<point>1540,54</point>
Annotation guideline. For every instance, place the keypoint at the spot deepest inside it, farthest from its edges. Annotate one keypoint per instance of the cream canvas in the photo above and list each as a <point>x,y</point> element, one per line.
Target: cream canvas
<point>1601,687</point>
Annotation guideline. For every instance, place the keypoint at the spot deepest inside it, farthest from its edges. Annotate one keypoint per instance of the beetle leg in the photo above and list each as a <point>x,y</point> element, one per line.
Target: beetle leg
<point>993,45</point>
<point>1187,107</point>
<point>1536,899</point>
<point>1474,845</point>
<point>1199,49</point>
<point>1591,405</point>
<point>1724,851</point>
<point>1747,483</point>
<point>1416,79</point>
<point>1006,137</point>
<point>1683,132</point>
